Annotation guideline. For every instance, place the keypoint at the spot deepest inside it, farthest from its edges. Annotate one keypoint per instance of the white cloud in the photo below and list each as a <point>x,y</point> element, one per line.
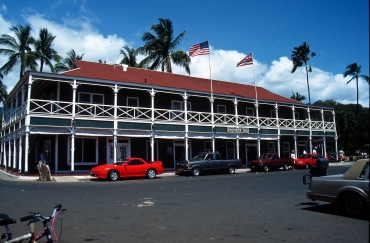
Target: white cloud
<point>80,35</point>
<point>3,8</point>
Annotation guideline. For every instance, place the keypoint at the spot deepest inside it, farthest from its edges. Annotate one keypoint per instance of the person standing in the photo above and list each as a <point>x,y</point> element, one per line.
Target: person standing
<point>292,155</point>
<point>314,150</point>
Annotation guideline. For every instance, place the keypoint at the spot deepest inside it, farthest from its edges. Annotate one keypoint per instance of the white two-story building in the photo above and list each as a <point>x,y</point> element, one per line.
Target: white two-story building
<point>100,113</point>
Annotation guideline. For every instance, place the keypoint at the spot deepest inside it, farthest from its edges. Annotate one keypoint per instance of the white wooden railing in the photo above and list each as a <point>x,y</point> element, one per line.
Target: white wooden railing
<point>106,112</point>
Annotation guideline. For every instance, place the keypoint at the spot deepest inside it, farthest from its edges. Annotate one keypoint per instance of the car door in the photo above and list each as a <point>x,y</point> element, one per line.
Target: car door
<point>134,167</point>
<point>208,162</point>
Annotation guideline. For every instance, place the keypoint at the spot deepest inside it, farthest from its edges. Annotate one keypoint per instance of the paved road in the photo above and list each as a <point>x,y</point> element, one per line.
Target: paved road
<point>244,207</point>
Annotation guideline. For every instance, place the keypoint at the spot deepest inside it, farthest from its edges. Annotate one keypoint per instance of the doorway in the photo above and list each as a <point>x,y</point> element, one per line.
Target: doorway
<point>123,150</point>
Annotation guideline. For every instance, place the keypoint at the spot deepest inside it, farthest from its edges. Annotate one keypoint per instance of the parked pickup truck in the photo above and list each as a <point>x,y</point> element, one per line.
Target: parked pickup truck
<point>270,161</point>
<point>207,161</point>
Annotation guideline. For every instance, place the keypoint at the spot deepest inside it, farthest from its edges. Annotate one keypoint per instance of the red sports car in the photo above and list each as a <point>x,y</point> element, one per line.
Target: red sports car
<point>306,160</point>
<point>130,167</point>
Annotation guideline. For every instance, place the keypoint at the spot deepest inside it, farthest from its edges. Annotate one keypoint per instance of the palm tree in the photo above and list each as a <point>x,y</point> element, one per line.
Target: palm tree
<point>160,48</point>
<point>3,92</point>
<point>68,62</point>
<point>297,96</point>
<point>301,55</point>
<point>129,56</point>
<point>18,49</point>
<point>44,49</point>
<point>354,70</point>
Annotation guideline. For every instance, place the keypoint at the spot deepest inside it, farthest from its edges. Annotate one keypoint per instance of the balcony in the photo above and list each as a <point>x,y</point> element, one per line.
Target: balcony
<point>60,109</point>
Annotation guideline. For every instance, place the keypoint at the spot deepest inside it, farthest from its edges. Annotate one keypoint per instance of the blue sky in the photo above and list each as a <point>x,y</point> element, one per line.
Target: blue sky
<point>337,30</point>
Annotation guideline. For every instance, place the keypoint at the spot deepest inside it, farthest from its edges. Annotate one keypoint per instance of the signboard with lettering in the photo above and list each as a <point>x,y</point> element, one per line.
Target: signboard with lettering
<point>237,130</point>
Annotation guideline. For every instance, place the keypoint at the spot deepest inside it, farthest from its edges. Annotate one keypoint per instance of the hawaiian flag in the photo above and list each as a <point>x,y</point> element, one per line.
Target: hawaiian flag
<point>199,49</point>
<point>248,60</point>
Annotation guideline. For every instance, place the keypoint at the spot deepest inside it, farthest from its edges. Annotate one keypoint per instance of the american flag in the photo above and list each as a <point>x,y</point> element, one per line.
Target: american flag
<point>248,60</point>
<point>199,49</point>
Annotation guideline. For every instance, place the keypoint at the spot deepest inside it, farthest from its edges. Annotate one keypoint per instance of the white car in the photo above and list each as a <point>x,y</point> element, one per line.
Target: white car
<point>350,189</point>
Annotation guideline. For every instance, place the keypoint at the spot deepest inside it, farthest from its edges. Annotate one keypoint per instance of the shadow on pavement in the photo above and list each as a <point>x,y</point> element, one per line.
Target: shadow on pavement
<point>333,209</point>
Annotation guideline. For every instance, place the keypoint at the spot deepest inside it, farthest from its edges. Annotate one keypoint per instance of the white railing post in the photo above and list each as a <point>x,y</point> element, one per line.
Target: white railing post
<point>213,123</point>
<point>115,124</point>
<point>152,135</point>
<point>185,97</point>
<point>73,127</point>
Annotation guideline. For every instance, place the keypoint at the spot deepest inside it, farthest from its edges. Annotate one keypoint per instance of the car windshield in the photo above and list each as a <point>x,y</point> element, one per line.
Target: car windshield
<point>303,156</point>
<point>120,162</point>
<point>200,156</point>
<point>266,156</point>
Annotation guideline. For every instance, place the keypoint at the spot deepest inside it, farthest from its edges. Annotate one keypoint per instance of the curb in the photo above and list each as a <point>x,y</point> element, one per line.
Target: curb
<point>79,178</point>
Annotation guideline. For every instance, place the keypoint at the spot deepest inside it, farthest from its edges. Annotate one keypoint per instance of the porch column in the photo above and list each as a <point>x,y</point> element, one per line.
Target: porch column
<point>27,124</point>
<point>237,126</point>
<point>3,147</point>
<point>309,125</point>
<point>20,148</point>
<point>185,97</point>
<point>295,146</point>
<point>293,115</point>
<point>115,124</point>
<point>20,152</point>
<point>213,122</point>
<point>73,127</point>
<point>10,152</point>
<point>152,135</point>
<point>15,134</point>
<point>258,130</point>
<point>295,131</point>
<point>278,127</point>
<point>14,148</point>
<point>323,127</point>
<point>336,137</point>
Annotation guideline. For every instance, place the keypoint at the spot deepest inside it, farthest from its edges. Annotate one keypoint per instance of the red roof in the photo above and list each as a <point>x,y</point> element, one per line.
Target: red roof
<point>116,73</point>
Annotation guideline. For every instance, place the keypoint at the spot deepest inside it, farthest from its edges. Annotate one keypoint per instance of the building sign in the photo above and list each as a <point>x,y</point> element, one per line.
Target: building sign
<point>237,130</point>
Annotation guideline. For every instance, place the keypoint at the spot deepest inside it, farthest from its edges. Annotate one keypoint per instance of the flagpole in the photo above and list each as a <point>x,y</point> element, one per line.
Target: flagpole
<point>254,78</point>
<point>210,72</point>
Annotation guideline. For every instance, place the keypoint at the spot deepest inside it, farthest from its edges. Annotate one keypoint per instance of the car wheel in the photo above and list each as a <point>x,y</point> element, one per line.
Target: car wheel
<point>113,175</point>
<point>195,171</point>
<point>286,166</point>
<point>307,166</point>
<point>266,168</point>
<point>231,169</point>
<point>353,203</point>
<point>151,173</point>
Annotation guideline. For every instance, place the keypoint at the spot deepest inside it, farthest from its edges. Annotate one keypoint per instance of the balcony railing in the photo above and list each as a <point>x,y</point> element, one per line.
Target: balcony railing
<point>107,112</point>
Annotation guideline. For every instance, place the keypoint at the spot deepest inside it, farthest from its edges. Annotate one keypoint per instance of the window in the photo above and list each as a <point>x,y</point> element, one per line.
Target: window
<point>230,150</point>
<point>271,147</point>
<point>273,114</point>
<point>250,112</point>
<point>221,109</point>
<point>208,146</point>
<point>179,106</point>
<point>131,103</point>
<point>90,98</point>
<point>86,151</point>
<point>135,162</point>
<point>296,115</point>
<point>286,149</point>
